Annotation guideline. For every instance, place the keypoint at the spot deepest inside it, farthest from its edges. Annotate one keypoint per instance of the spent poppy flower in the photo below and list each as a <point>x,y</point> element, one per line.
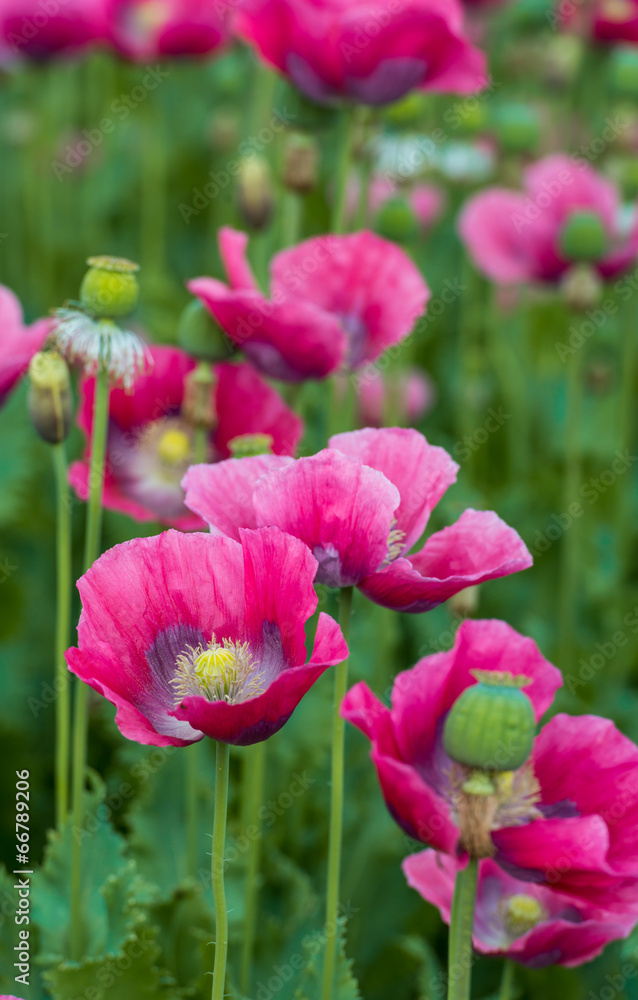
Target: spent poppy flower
<point>530,924</point>
<point>196,635</point>
<point>336,49</point>
<point>335,300</point>
<point>566,819</point>
<point>359,505</point>
<point>150,29</point>
<point>150,441</point>
<point>567,208</point>
<point>34,31</point>
<point>18,342</point>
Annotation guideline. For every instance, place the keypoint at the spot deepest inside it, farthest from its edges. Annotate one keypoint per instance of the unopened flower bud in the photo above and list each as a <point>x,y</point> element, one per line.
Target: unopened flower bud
<point>109,289</point>
<point>521,913</point>
<point>255,191</point>
<point>581,287</point>
<point>583,236</point>
<point>224,131</point>
<point>491,725</point>
<point>49,399</point>
<point>201,336</point>
<point>465,602</point>
<point>517,128</point>
<point>246,445</point>
<point>301,164</point>
<point>396,220</point>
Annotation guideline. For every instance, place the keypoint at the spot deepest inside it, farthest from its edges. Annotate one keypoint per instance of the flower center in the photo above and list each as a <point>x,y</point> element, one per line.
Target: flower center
<point>521,913</point>
<point>223,671</point>
<point>167,445</point>
<point>616,10</point>
<point>174,446</point>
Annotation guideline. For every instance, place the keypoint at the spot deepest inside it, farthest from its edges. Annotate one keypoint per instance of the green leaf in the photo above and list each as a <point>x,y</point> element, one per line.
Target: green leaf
<point>308,984</point>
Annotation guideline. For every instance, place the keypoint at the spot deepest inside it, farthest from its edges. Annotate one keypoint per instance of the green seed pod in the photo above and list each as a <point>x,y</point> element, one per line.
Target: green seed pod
<point>49,399</point>
<point>491,725</point>
<point>395,220</point>
<point>583,237</point>
<point>109,289</point>
<point>200,336</point>
<point>246,445</point>
<point>517,128</point>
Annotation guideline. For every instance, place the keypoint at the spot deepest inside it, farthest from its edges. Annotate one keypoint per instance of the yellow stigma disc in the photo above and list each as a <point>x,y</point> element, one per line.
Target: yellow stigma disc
<point>174,447</point>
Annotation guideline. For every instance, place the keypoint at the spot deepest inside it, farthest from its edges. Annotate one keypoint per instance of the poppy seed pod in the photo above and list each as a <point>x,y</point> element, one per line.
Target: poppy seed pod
<point>491,725</point>
<point>255,191</point>
<point>396,220</point>
<point>110,289</point>
<point>49,398</point>
<point>517,128</point>
<point>301,164</point>
<point>583,236</point>
<point>200,335</point>
<point>247,445</point>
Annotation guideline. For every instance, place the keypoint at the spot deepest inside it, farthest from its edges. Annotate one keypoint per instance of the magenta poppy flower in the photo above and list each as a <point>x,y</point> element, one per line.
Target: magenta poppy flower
<point>414,393</point>
<point>359,505</point>
<point>335,300</point>
<point>146,29</point>
<point>568,819</point>
<point>195,635</point>
<point>516,236</point>
<point>150,444</point>
<point>18,343</point>
<point>531,924</point>
<point>38,31</point>
<point>336,49</point>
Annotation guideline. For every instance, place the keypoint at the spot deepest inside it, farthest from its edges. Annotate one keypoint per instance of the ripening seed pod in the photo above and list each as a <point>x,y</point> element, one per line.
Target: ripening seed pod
<point>255,197</point>
<point>49,399</point>
<point>583,237</point>
<point>110,289</point>
<point>248,445</point>
<point>491,724</point>
<point>396,220</point>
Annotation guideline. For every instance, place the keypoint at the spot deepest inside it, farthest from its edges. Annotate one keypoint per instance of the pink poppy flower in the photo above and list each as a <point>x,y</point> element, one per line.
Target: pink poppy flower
<point>152,29</point>
<point>335,49</point>
<point>427,201</point>
<point>415,391</point>
<point>195,635</point>
<point>516,236</point>
<point>607,21</point>
<point>567,819</point>
<point>531,924</point>
<point>150,444</point>
<point>335,300</point>
<point>31,29</point>
<point>359,505</point>
<point>18,343</point>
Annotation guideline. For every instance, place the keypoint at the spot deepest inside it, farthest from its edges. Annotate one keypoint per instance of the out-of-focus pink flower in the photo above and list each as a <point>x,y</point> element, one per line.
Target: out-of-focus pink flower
<point>18,343</point>
<point>359,506</point>
<point>603,20</point>
<point>35,30</point>
<point>194,635</point>
<point>150,29</point>
<point>415,394</point>
<point>150,444</point>
<point>334,49</point>
<point>531,924</point>
<point>427,201</point>
<point>334,300</point>
<point>567,819</point>
<point>516,236</point>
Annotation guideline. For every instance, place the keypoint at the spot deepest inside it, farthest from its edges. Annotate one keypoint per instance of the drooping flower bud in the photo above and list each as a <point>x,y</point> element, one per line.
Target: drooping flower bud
<point>396,220</point>
<point>247,445</point>
<point>49,399</point>
<point>583,236</point>
<point>491,725</point>
<point>200,336</point>
<point>301,164</point>
<point>581,287</point>
<point>255,195</point>
<point>110,289</point>
<point>521,913</point>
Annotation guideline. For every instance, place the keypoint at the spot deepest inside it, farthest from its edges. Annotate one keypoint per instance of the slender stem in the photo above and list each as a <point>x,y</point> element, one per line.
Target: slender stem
<point>461,924</point>
<point>80,722</point>
<point>507,982</point>
<point>336,805</point>
<point>625,516</point>
<point>254,767</point>
<point>217,870</point>
<point>572,535</point>
<point>62,630</point>
<point>342,169</point>
<point>291,214</point>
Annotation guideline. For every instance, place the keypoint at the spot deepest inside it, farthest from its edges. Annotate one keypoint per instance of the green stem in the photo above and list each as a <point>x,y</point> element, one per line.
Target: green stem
<point>461,925</point>
<point>217,870</point>
<point>571,537</point>
<point>625,517</point>
<point>507,982</point>
<point>254,767</point>
<point>342,168</point>
<point>62,630</point>
<point>80,722</point>
<point>291,214</point>
<point>336,805</point>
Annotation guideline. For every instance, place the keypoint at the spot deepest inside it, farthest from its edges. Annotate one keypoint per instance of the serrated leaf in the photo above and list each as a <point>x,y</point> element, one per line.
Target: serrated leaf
<point>308,984</point>
<point>185,926</point>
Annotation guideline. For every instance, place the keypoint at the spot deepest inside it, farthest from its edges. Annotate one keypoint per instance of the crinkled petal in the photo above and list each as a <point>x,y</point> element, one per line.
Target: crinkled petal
<point>246,404</point>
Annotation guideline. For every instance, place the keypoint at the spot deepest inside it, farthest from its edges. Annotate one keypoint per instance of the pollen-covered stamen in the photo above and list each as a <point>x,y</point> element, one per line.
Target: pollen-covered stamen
<point>168,444</point>
<point>396,540</point>
<point>224,671</point>
<point>483,802</point>
<point>100,343</point>
<point>521,913</point>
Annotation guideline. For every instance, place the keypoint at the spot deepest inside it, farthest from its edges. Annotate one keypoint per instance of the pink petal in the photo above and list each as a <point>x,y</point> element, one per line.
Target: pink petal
<point>247,405</point>
<point>494,227</point>
<point>232,247</point>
